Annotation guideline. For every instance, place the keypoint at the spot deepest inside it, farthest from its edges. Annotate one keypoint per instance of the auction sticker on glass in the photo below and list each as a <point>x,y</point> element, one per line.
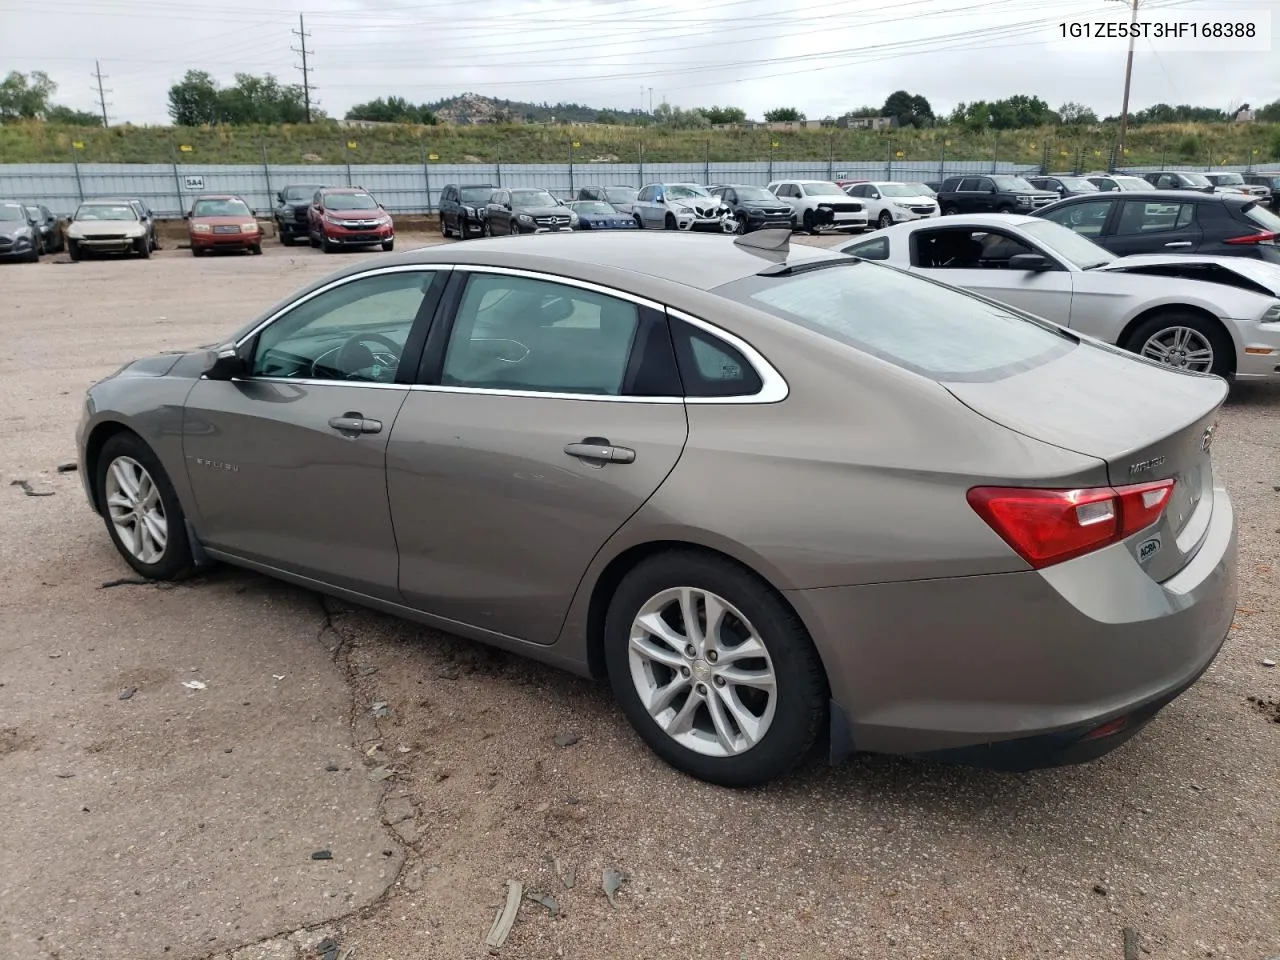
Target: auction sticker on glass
<point>1184,29</point>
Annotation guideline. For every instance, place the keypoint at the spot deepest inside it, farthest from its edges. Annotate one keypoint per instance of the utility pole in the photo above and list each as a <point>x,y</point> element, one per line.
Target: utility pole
<point>651,101</point>
<point>301,34</point>
<point>102,94</point>
<point>1124,108</point>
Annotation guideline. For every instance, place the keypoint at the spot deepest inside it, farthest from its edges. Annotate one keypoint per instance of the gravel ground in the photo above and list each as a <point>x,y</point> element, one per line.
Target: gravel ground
<point>1173,837</point>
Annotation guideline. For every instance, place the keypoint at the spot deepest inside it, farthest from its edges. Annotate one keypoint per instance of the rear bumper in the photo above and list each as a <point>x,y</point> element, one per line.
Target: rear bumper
<point>1018,669</point>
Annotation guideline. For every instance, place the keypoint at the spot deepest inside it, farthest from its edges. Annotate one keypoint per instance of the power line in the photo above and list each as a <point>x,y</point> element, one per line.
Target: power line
<point>301,34</point>
<point>102,94</point>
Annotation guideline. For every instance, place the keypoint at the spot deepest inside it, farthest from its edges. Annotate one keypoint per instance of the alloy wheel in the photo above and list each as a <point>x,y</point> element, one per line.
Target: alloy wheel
<point>702,672</point>
<point>1180,347</point>
<point>136,510</point>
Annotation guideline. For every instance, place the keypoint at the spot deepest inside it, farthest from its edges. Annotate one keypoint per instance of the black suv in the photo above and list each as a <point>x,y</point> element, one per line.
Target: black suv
<point>1169,221</point>
<point>1179,180</point>
<point>464,209</point>
<point>753,207</point>
<point>291,214</point>
<point>1269,180</point>
<point>994,193</point>
<point>1063,184</point>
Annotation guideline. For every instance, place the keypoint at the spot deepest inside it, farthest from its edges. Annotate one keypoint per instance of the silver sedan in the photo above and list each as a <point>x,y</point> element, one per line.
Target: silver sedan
<point>1227,323</point>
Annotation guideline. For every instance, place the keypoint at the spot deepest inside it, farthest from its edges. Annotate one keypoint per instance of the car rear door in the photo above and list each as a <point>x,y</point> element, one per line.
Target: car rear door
<point>288,463</point>
<point>1086,217</point>
<point>526,446</point>
<point>1154,226</point>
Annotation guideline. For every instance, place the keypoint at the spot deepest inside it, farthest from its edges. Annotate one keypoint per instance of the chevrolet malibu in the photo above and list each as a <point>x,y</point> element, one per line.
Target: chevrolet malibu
<point>774,495</point>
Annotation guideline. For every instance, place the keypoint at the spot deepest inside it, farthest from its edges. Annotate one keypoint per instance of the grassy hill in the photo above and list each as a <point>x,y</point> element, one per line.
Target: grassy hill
<point>1192,145</point>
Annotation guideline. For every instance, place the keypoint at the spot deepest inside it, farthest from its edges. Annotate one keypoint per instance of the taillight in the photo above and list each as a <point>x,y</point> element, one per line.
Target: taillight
<point>1050,526</point>
<point>1266,236</point>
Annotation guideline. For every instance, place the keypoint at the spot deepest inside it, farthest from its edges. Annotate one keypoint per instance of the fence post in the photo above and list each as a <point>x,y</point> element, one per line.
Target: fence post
<point>995,152</point>
<point>177,181</point>
<point>499,165</point>
<point>770,158</point>
<point>706,165</point>
<point>942,166</point>
<point>888,160</point>
<point>348,149</point>
<point>426,176</point>
<point>831,156</point>
<point>76,165</point>
<point>266,172</point>
<point>571,168</point>
<point>641,165</point>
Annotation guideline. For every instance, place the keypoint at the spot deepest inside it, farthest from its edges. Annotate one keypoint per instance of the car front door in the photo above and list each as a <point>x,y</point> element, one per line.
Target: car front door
<point>526,448</point>
<point>288,463</point>
<point>978,260</point>
<point>1154,226</point>
<point>655,213</point>
<point>500,217</point>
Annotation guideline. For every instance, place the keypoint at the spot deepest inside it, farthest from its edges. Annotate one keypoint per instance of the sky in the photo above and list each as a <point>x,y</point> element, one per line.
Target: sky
<point>824,57</point>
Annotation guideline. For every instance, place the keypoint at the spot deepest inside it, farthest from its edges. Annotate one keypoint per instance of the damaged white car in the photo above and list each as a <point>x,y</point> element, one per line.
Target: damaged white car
<point>682,206</point>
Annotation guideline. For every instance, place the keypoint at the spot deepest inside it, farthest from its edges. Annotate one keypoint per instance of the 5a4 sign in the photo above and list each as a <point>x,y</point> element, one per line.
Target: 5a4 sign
<point>193,182</point>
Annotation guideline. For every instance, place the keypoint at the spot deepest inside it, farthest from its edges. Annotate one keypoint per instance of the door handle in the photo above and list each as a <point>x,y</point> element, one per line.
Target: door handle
<point>1179,243</point>
<point>600,450</point>
<point>355,423</point>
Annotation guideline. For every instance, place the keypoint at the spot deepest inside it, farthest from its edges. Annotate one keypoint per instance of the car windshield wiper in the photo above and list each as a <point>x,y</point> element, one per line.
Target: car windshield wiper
<point>1094,266</point>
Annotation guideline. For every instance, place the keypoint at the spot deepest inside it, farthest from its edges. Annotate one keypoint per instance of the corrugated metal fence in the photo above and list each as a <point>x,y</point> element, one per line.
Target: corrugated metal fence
<point>415,188</point>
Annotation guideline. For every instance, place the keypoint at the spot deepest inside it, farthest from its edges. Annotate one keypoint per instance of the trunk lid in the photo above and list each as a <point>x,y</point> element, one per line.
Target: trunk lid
<point>1145,421</point>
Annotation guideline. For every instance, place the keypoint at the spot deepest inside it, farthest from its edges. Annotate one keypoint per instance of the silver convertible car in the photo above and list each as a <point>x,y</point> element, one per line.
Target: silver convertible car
<point>1159,307</point>
<point>774,494</point>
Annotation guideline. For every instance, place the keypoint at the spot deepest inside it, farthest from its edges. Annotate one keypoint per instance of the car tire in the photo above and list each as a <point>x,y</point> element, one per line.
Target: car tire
<point>484,229</point>
<point>444,230</point>
<point>950,210</point>
<point>885,220</point>
<point>286,238</point>
<point>256,250</point>
<point>311,239</point>
<point>197,252</point>
<point>791,717</point>
<point>144,249</point>
<point>741,227</point>
<point>669,222</point>
<point>810,225</point>
<point>389,245</point>
<point>73,251</point>
<point>639,221</point>
<point>1198,332</point>
<point>152,495</point>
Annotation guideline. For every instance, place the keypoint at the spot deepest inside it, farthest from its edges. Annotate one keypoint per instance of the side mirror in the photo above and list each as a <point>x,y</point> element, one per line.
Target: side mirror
<point>226,363</point>
<point>279,198</point>
<point>1032,262</point>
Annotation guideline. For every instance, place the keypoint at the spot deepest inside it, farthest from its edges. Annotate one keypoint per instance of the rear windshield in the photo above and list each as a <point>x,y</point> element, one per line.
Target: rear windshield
<point>1228,179</point>
<point>300,193</point>
<point>1262,217</point>
<point>476,194</point>
<point>914,323</point>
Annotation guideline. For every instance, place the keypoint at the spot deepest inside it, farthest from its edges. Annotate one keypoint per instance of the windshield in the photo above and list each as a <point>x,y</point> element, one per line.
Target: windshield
<point>106,211</point>
<point>620,194</point>
<point>221,208</point>
<point>921,189</point>
<point>822,190</point>
<point>11,211</point>
<point>350,201</point>
<point>930,329</point>
<point>1011,183</point>
<point>476,194</point>
<point>1262,217</point>
<point>1196,179</point>
<point>294,194</point>
<point>1228,179</point>
<point>1078,183</point>
<point>754,194</point>
<point>532,198</point>
<point>1068,244</point>
<point>593,206</point>
<point>1131,183</point>
<point>682,191</point>
<point>897,190</point>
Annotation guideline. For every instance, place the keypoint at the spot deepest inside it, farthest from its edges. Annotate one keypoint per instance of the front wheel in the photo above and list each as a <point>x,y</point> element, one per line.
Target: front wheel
<point>741,226</point>
<point>144,248</point>
<point>885,220</point>
<point>1184,341</point>
<point>256,250</point>
<point>810,225</point>
<point>311,239</point>
<point>73,251</point>
<point>713,670</point>
<point>389,245</point>
<point>639,222</point>
<point>286,238</point>
<point>141,509</point>
<point>669,223</point>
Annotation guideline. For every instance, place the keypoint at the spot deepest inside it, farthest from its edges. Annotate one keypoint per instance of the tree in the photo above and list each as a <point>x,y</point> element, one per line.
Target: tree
<point>1073,113</point>
<point>261,100</point>
<point>73,118</point>
<point>910,110</point>
<point>974,116</point>
<point>867,111</point>
<point>782,114</point>
<point>392,110</point>
<point>678,119</point>
<point>718,115</point>
<point>1020,111</point>
<point>1268,114</point>
<point>194,101</point>
<point>1183,113</point>
<point>25,96</point>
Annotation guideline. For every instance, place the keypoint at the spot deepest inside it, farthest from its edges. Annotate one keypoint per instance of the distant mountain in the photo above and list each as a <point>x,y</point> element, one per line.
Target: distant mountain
<point>471,108</point>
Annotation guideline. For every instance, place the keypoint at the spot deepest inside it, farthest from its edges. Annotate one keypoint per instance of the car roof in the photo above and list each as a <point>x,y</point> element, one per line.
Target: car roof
<point>973,220</point>
<point>218,196</point>
<point>344,189</point>
<point>1174,196</point>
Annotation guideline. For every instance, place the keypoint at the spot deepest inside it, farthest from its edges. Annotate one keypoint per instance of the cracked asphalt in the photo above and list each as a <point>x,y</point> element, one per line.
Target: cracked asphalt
<point>181,823</point>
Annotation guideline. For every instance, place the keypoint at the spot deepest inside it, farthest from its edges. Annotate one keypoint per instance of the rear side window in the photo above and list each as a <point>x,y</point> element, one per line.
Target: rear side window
<point>709,367</point>
<point>921,326</point>
<point>1262,217</point>
<point>877,249</point>
<point>1145,216</point>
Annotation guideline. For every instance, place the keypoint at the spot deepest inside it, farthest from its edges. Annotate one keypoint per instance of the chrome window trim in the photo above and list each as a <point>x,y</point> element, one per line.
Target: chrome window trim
<point>774,387</point>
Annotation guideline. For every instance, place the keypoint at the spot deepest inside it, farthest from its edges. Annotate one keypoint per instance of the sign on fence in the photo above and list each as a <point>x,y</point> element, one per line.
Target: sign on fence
<point>193,183</point>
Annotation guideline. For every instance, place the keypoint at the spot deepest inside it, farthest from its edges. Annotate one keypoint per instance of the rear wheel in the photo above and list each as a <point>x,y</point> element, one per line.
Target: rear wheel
<point>1185,341</point>
<point>141,510</point>
<point>950,210</point>
<point>714,671</point>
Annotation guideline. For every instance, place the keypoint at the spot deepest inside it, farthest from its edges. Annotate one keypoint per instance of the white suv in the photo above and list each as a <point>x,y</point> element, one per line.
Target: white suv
<point>818,205</point>
<point>889,202</point>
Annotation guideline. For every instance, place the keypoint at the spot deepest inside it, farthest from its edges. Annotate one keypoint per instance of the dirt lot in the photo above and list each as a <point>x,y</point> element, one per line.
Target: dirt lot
<point>180,823</point>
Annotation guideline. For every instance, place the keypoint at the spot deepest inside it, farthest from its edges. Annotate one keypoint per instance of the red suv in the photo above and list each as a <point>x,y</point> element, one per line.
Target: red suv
<point>348,217</point>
